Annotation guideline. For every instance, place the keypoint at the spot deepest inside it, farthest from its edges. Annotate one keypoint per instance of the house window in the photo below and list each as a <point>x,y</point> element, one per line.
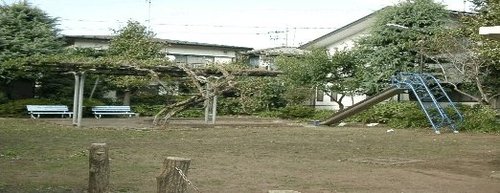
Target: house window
<point>319,95</point>
<point>180,59</point>
<point>333,97</point>
<point>199,61</point>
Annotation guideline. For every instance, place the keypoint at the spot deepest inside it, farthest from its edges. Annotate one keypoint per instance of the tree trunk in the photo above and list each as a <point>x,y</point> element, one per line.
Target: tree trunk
<point>94,87</point>
<point>170,179</point>
<point>339,102</point>
<point>98,168</point>
<point>126,97</point>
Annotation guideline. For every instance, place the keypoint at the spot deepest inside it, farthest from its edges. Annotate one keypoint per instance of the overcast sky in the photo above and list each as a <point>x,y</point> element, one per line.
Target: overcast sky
<point>255,23</point>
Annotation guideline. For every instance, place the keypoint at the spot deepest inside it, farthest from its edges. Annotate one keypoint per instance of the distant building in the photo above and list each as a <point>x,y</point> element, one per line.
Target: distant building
<point>265,58</point>
<point>192,53</point>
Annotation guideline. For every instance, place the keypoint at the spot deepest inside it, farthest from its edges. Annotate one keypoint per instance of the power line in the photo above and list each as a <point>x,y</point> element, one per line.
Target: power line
<point>208,25</point>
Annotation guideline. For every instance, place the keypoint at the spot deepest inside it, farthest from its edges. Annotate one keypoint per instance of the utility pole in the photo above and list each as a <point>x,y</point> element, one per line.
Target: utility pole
<point>149,13</point>
<point>286,36</point>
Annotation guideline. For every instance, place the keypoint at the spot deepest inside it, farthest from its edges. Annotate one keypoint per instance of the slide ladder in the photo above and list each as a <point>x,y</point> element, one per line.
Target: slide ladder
<point>428,91</point>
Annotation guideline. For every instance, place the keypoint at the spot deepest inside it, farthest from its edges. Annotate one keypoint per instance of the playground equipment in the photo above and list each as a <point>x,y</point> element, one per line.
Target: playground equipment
<point>426,89</point>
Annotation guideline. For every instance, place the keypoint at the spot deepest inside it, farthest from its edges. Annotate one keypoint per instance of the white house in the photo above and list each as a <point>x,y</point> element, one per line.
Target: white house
<point>344,38</point>
<point>340,39</point>
<point>265,58</point>
<point>192,53</point>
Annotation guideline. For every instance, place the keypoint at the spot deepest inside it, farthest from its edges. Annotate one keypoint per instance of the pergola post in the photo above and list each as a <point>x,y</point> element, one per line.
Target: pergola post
<point>78,98</point>
<point>214,108</point>
<point>210,106</point>
<point>75,97</point>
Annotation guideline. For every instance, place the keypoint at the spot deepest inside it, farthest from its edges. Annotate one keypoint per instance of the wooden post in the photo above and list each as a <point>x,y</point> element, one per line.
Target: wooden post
<point>98,168</point>
<point>170,180</point>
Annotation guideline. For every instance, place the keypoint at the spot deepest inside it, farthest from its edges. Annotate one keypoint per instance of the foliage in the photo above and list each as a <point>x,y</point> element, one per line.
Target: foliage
<point>191,113</point>
<point>254,94</point>
<point>135,41</point>
<point>146,109</point>
<point>3,97</point>
<point>229,106</point>
<point>296,111</point>
<point>25,31</point>
<point>394,114</point>
<point>270,114</point>
<point>317,69</point>
<point>479,118</point>
<point>17,108</point>
<point>473,57</point>
<point>296,95</point>
<point>409,115</point>
<point>387,50</point>
<point>322,114</point>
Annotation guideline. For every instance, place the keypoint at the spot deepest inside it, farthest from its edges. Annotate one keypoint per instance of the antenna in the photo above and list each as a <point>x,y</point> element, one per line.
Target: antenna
<point>149,13</point>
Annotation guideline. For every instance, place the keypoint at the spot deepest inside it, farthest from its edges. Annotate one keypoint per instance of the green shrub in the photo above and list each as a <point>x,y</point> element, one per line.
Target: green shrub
<point>479,118</point>
<point>322,114</point>
<point>270,114</point>
<point>3,97</point>
<point>395,114</point>
<point>152,110</point>
<point>296,111</point>
<point>17,108</point>
<point>229,106</point>
<point>191,113</point>
<point>147,110</point>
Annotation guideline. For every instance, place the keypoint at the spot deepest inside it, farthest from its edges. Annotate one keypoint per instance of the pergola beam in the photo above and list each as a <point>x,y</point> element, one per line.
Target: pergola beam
<point>492,32</point>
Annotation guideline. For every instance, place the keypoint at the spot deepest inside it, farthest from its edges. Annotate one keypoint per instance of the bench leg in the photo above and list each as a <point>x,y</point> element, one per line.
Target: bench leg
<point>32,116</point>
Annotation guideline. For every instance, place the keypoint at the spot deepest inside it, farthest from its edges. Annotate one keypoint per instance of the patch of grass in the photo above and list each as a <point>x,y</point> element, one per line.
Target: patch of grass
<point>43,157</point>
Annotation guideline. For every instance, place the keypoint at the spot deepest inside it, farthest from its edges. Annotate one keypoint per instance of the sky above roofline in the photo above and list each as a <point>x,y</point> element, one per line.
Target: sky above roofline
<point>256,24</point>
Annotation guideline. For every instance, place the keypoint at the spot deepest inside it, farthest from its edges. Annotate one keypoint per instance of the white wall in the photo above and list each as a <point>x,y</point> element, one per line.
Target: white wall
<point>347,101</point>
<point>219,55</point>
<point>346,43</point>
<point>90,44</point>
<point>201,52</point>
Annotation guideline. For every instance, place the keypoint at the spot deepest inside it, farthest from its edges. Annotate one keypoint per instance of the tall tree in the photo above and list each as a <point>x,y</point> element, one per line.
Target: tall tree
<point>332,74</point>
<point>396,40</point>
<point>136,42</point>
<point>25,31</point>
<point>473,58</point>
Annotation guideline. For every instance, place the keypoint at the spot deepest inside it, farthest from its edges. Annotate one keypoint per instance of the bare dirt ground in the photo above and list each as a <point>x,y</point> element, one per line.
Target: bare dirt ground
<point>248,154</point>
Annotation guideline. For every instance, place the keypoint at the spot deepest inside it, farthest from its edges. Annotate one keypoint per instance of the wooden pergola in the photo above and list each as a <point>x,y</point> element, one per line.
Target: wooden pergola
<point>80,70</point>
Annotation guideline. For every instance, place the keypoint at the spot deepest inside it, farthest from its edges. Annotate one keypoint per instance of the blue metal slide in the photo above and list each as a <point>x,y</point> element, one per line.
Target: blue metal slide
<point>426,89</point>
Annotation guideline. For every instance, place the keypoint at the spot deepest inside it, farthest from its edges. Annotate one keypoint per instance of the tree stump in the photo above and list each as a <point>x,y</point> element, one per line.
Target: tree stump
<point>98,168</point>
<point>170,180</point>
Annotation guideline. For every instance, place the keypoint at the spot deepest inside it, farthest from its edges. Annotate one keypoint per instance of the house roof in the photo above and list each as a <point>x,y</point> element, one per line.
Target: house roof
<point>167,41</point>
<point>319,42</point>
<point>337,31</point>
<point>277,51</point>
